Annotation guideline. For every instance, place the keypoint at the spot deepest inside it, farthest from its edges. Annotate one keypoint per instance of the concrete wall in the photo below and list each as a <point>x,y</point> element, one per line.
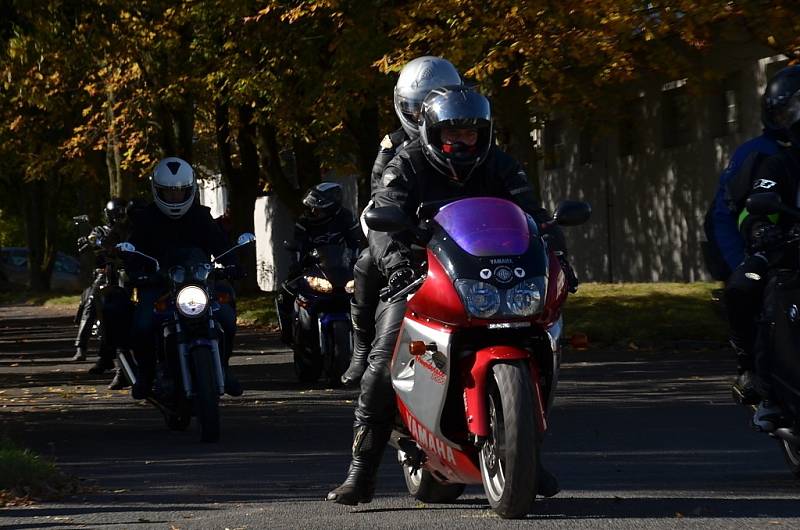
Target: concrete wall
<point>648,207</point>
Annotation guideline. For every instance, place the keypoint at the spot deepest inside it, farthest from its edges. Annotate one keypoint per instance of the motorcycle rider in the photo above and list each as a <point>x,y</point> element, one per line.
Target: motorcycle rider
<point>744,289</point>
<point>172,221</point>
<point>99,240</point>
<point>454,157</point>
<point>418,77</point>
<point>324,221</point>
<point>780,173</point>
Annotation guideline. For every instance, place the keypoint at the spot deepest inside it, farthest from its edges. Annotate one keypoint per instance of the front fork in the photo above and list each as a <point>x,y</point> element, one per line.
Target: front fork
<point>184,351</point>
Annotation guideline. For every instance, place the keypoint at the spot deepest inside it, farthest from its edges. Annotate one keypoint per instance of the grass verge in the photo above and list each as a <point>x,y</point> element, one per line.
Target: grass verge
<point>645,313</point>
<point>26,476</point>
<point>47,299</point>
<point>257,310</point>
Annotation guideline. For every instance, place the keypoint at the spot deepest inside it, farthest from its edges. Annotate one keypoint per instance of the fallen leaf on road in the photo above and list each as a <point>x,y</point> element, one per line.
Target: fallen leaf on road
<point>678,515</point>
<point>13,365</point>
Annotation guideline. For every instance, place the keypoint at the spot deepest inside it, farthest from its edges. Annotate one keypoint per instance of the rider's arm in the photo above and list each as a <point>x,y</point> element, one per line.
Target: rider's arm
<point>393,251</point>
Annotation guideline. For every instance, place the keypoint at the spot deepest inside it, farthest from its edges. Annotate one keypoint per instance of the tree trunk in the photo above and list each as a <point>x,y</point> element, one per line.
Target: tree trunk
<point>364,128</point>
<point>116,186</point>
<point>279,183</point>
<point>513,116</point>
<point>39,226</point>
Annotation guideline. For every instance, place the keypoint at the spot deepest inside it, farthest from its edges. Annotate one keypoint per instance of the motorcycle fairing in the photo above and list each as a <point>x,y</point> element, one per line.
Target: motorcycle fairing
<point>785,357</point>
<point>454,463</point>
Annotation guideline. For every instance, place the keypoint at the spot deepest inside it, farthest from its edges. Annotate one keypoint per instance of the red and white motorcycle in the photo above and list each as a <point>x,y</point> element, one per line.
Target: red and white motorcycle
<point>477,359</point>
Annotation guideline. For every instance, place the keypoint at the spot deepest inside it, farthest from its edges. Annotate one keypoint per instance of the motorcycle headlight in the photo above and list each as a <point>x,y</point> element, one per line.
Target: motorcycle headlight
<point>481,299</point>
<point>525,298</point>
<point>350,287</point>
<point>319,284</point>
<point>191,301</point>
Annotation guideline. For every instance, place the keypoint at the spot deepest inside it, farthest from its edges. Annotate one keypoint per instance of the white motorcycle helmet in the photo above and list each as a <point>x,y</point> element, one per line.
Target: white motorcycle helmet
<point>174,186</point>
<point>418,77</point>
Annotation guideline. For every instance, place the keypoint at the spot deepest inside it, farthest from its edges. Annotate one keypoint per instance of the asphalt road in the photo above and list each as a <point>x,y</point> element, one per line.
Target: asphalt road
<point>639,439</point>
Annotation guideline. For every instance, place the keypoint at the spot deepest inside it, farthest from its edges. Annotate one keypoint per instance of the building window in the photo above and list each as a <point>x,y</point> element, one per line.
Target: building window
<point>726,111</point>
<point>675,114</point>
<point>629,140</point>
<point>554,146</point>
<point>585,143</point>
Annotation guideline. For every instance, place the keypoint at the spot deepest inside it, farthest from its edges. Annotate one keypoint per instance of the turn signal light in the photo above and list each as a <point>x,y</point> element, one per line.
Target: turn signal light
<point>417,348</point>
<point>224,298</point>
<point>161,304</point>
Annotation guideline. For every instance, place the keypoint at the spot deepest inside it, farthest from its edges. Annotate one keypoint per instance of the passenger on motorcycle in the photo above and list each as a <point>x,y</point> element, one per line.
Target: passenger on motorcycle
<point>417,78</point>
<point>780,173</point>
<point>454,156</point>
<point>99,243</point>
<point>324,221</point>
<point>174,220</point>
<point>744,287</point>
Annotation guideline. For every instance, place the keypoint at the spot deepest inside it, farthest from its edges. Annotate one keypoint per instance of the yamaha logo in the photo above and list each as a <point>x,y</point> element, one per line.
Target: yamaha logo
<point>503,274</point>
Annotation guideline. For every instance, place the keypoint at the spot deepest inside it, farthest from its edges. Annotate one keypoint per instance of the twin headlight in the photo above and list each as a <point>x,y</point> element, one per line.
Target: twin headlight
<point>192,301</point>
<point>322,285</point>
<point>484,300</point>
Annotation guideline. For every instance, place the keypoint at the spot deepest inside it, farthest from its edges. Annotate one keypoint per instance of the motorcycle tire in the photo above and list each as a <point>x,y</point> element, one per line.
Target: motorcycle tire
<point>307,368</point>
<point>510,456</point>
<point>424,487</point>
<point>791,453</point>
<point>206,396</point>
<point>342,350</point>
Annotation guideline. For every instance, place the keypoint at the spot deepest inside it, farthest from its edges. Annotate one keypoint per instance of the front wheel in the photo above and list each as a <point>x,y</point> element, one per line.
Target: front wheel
<point>206,395</point>
<point>791,453</point>
<point>424,487</point>
<point>510,456</point>
<point>341,351</point>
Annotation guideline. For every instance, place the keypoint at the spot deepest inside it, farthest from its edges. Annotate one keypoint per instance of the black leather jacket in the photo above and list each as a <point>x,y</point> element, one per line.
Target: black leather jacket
<point>409,180</point>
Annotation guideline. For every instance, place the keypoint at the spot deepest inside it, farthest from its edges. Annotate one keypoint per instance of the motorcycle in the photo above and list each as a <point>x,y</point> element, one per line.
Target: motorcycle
<point>322,337</point>
<point>784,340</point>
<point>189,376</point>
<point>477,359</point>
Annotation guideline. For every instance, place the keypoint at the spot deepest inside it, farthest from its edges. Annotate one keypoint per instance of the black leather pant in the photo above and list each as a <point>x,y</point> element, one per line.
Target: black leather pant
<point>744,295</point>
<point>88,316</point>
<point>376,404</point>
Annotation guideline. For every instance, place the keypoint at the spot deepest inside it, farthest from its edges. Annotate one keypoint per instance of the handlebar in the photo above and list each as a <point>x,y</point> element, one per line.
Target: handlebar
<point>389,296</point>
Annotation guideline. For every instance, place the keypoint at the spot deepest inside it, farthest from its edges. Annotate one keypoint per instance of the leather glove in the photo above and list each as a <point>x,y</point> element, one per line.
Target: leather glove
<point>765,236</point>
<point>400,278</point>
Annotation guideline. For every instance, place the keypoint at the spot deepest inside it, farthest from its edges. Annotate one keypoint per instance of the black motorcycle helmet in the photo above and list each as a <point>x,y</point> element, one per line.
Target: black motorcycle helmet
<point>115,211</point>
<point>780,104</point>
<point>461,108</point>
<point>323,201</point>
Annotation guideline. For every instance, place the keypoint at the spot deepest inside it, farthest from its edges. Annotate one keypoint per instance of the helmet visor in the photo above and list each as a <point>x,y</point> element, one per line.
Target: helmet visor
<point>409,107</point>
<point>457,107</point>
<point>174,195</point>
<point>787,115</point>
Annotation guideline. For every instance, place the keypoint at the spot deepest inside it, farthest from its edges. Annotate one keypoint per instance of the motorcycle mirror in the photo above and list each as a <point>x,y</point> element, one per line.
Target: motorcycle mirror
<point>387,219</point>
<point>764,203</point>
<point>572,213</point>
<point>126,247</point>
<point>80,219</point>
<point>245,238</point>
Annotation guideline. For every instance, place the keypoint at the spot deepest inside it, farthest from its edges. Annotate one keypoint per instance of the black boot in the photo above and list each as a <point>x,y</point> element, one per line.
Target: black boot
<point>359,486</point>
<point>120,381</point>
<point>284,305</point>
<point>363,318</point>
<point>548,483</point>
<point>743,387</point>
<point>102,364</point>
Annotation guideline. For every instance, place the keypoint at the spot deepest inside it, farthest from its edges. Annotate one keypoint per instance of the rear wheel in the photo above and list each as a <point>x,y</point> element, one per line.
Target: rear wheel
<point>423,486</point>
<point>307,367</point>
<point>342,350</point>
<point>509,458</point>
<point>206,395</point>
<point>791,453</point>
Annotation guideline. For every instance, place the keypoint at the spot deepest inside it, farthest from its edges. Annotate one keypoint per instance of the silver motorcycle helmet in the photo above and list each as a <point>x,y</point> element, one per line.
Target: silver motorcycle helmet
<point>418,77</point>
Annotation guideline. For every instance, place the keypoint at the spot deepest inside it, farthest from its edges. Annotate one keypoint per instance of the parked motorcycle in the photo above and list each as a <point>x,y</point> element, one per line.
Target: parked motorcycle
<point>785,337</point>
<point>189,376</point>
<point>322,337</point>
<point>477,358</point>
